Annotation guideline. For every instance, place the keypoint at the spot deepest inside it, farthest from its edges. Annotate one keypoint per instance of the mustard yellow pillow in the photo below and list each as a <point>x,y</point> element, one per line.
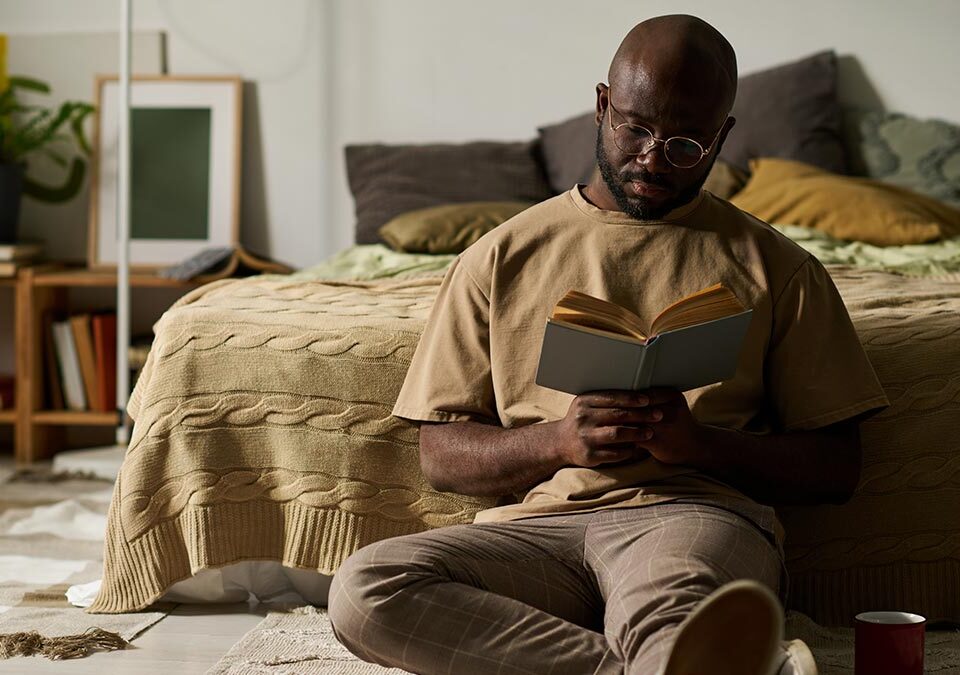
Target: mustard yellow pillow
<point>787,192</point>
<point>449,228</point>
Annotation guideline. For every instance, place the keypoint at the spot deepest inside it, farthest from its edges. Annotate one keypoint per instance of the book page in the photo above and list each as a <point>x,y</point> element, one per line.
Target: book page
<point>590,312</point>
<point>708,304</point>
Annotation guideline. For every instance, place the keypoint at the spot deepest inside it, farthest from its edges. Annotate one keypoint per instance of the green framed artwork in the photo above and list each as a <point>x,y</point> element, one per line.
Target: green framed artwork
<point>184,169</point>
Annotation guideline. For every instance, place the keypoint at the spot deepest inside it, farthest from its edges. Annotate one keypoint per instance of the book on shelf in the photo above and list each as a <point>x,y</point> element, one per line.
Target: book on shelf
<point>54,398</point>
<point>7,391</point>
<point>68,363</point>
<point>105,350</point>
<point>591,344</point>
<point>16,255</point>
<point>83,339</point>
<point>20,251</point>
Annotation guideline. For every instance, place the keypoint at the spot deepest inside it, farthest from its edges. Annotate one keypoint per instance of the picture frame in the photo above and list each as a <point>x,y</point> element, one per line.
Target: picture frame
<point>185,169</point>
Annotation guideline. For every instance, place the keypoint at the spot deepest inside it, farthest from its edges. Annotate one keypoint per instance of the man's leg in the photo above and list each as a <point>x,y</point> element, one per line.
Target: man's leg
<point>655,564</point>
<point>507,598</point>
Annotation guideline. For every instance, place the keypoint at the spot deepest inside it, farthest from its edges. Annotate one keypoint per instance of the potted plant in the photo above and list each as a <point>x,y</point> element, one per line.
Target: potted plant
<point>28,130</point>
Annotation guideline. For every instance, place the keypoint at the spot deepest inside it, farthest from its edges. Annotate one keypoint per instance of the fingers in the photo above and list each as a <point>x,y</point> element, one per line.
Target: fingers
<point>619,398</point>
<point>626,416</point>
<point>618,435</point>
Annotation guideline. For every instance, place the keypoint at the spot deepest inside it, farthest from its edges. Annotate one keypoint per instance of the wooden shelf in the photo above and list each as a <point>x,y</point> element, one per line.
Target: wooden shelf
<point>90,278</point>
<point>78,417</point>
<point>38,291</point>
<point>8,281</point>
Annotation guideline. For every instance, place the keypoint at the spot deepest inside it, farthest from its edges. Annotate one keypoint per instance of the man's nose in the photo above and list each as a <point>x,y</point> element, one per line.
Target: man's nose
<point>653,160</point>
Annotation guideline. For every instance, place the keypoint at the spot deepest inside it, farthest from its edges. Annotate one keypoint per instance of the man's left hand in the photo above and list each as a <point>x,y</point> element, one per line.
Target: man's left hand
<point>677,437</point>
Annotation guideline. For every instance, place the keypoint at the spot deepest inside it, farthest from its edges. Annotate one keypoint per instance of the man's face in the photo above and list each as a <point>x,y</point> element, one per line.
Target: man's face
<point>648,186</point>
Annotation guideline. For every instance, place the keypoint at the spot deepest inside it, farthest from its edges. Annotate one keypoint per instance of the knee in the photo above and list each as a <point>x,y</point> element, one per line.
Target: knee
<point>364,592</point>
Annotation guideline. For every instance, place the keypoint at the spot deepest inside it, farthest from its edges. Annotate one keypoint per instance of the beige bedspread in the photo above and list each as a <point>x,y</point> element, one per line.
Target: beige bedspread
<point>263,431</point>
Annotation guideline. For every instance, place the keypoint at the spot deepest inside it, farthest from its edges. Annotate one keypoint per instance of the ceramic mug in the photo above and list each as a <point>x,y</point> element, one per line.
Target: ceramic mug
<point>889,643</point>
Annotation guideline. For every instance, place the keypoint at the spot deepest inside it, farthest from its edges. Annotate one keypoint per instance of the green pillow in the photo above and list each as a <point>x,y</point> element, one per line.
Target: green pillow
<point>920,155</point>
<point>449,228</point>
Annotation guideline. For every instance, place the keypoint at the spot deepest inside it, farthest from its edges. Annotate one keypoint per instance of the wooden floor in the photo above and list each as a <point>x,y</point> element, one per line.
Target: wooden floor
<point>187,642</point>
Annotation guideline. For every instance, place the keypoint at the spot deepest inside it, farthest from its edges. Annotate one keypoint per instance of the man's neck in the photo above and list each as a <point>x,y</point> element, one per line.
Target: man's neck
<point>597,193</point>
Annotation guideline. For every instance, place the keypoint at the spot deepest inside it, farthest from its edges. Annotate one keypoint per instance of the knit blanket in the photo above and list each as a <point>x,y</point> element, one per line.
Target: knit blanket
<point>263,431</point>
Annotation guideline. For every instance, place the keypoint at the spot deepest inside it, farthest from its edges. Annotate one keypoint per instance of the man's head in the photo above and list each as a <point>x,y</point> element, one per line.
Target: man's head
<point>676,77</point>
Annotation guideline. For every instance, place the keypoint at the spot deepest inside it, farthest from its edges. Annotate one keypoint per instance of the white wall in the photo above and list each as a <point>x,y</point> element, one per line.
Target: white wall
<point>326,72</point>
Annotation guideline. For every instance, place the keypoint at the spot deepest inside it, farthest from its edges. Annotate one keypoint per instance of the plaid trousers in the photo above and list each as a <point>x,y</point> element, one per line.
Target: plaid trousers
<point>599,592</point>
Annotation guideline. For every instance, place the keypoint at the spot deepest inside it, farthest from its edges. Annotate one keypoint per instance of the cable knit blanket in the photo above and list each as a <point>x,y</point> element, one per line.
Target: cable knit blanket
<point>263,431</point>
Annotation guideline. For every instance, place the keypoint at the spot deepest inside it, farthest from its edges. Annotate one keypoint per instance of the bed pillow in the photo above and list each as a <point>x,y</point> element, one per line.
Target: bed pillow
<point>450,228</point>
<point>790,111</point>
<point>725,180</point>
<point>921,155</point>
<point>783,191</point>
<point>387,180</point>
<point>569,151</point>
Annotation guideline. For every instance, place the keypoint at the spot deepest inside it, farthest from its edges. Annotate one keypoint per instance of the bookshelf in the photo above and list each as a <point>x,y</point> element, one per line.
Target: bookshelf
<point>39,433</point>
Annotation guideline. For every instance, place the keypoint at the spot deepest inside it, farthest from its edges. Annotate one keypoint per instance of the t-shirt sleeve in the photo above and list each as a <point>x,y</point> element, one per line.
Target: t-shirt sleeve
<point>449,379</point>
<point>817,372</point>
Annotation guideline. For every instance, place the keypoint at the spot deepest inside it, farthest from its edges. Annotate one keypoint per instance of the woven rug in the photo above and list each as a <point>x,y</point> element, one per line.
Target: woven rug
<point>51,537</point>
<point>301,641</point>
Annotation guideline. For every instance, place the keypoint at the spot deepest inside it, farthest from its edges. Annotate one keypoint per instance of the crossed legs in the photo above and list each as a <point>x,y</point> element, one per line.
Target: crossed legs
<point>586,593</point>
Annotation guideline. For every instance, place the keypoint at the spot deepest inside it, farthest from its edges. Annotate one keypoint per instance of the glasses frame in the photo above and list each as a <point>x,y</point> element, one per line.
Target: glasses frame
<point>654,140</point>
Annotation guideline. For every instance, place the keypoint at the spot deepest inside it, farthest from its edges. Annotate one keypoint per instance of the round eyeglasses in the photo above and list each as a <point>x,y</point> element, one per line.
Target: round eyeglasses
<point>636,140</point>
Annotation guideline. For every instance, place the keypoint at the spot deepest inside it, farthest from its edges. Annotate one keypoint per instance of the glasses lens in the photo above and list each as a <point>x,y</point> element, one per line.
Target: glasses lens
<point>683,152</point>
<point>632,140</point>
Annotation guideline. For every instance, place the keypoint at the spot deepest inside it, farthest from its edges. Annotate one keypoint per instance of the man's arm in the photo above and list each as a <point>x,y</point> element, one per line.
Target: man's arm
<point>602,427</point>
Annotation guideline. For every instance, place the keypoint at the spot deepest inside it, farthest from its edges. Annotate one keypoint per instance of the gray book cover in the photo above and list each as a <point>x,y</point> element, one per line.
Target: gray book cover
<point>577,361</point>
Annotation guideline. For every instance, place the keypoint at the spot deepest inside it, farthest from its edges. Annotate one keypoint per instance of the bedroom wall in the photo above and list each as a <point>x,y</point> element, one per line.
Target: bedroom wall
<point>325,72</point>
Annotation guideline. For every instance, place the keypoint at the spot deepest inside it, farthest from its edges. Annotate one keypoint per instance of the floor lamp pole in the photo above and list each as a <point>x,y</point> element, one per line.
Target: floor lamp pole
<point>123,227</point>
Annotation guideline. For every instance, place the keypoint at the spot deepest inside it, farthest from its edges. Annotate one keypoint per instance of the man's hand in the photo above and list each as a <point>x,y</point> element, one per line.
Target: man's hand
<point>603,427</point>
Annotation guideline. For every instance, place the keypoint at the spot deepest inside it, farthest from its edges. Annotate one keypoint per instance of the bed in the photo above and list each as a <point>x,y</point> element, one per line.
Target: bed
<point>263,429</point>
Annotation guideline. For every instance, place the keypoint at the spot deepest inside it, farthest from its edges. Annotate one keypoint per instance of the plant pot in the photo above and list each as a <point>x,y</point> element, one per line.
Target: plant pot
<point>11,189</point>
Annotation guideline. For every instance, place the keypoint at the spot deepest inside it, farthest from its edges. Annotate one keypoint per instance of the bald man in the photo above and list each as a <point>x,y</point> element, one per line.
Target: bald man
<point>642,539</point>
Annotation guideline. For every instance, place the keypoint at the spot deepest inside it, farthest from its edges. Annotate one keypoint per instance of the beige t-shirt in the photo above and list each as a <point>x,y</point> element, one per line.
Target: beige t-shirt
<point>801,367</point>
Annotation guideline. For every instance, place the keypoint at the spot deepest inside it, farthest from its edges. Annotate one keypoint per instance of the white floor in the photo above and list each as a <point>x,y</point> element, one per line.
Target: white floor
<point>188,642</point>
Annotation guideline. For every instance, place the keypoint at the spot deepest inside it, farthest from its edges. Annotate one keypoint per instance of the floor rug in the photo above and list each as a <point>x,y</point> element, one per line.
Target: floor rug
<point>301,641</point>
<point>51,537</point>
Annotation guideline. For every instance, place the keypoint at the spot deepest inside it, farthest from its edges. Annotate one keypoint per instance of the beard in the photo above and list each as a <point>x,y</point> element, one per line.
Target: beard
<point>642,208</point>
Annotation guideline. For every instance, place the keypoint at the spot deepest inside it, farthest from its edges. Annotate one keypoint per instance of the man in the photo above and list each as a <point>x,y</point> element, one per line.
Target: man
<point>638,509</point>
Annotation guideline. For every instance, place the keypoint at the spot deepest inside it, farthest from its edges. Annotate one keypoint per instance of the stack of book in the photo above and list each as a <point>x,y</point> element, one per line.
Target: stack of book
<point>81,362</point>
<point>17,255</point>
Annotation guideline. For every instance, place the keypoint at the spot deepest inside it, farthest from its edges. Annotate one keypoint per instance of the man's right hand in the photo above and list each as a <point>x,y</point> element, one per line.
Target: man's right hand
<point>603,427</point>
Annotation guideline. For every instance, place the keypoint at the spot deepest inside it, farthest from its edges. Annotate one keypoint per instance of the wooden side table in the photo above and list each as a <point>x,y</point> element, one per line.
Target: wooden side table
<point>38,433</point>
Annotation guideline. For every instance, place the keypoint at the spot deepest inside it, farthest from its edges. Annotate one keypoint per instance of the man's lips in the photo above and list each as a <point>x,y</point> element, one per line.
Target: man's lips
<point>642,189</point>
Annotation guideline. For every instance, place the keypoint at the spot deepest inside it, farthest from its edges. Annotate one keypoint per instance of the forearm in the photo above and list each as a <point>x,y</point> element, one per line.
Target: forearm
<point>799,468</point>
<point>484,460</point>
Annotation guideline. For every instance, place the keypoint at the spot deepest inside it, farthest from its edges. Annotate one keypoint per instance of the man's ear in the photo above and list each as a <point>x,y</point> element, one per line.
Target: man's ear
<point>727,126</point>
<point>603,94</point>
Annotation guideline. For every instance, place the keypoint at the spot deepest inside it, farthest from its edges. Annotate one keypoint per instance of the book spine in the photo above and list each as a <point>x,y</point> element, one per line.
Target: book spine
<point>105,350</point>
<point>648,364</point>
<point>83,339</point>
<point>69,366</point>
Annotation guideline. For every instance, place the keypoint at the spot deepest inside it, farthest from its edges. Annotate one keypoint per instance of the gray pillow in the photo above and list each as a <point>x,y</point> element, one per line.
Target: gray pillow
<point>387,180</point>
<point>920,155</point>
<point>569,151</point>
<point>791,112</point>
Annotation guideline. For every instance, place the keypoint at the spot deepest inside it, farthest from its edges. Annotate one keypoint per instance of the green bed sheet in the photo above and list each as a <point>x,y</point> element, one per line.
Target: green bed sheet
<point>376,261</point>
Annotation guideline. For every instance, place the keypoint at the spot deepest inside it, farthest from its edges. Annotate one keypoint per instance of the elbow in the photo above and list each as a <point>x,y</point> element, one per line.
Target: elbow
<point>429,466</point>
<point>847,477</point>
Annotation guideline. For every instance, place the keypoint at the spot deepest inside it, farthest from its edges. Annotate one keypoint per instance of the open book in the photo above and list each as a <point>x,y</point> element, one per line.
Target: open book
<point>592,344</point>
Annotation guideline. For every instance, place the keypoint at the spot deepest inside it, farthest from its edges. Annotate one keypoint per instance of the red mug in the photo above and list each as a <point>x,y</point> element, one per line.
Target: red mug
<point>889,643</point>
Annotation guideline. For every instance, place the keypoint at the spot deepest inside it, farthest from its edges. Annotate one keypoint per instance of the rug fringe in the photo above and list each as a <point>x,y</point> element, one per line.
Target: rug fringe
<point>61,647</point>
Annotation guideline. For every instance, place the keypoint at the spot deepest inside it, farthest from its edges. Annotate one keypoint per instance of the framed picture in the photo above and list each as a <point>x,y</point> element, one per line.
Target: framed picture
<point>184,169</point>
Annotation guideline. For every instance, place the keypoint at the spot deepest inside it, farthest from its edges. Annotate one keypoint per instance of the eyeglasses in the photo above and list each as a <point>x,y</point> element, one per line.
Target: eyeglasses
<point>636,140</point>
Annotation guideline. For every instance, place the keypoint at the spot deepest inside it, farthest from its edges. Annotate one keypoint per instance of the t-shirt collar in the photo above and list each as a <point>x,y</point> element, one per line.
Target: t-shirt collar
<point>576,193</point>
